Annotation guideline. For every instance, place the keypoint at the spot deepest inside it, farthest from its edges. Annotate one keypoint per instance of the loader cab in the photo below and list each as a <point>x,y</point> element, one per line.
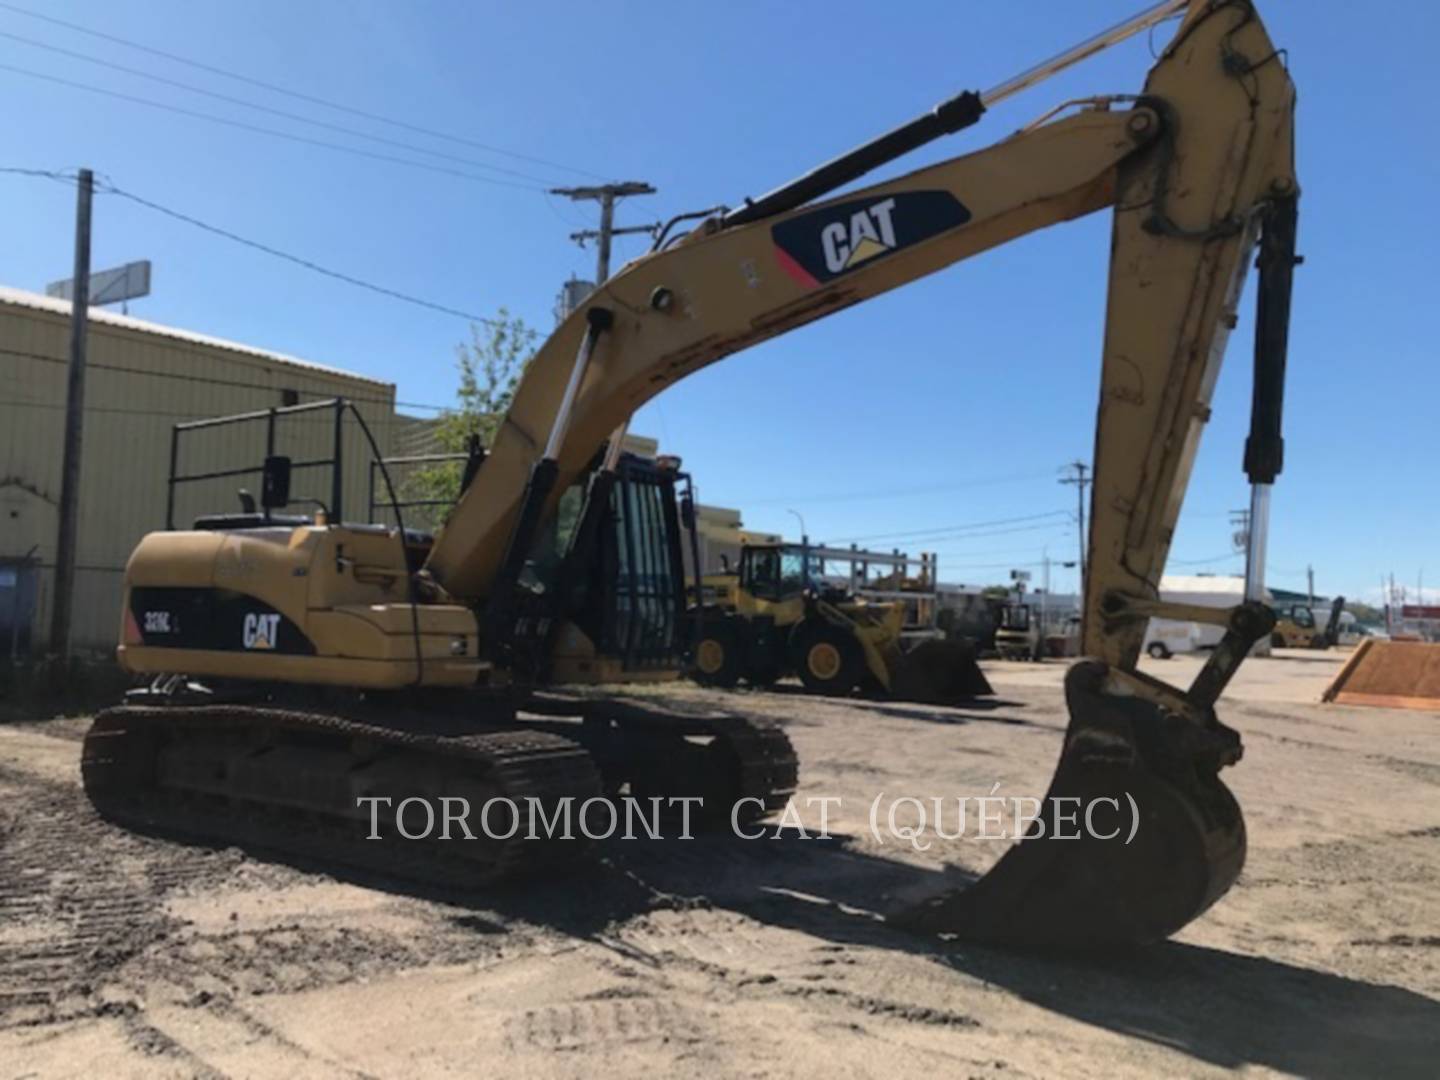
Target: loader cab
<point>1016,618</point>
<point>1017,634</point>
<point>779,572</point>
<point>1299,614</point>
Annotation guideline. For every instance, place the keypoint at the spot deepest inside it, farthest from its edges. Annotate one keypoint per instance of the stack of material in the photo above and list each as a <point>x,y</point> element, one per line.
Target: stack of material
<point>1391,674</point>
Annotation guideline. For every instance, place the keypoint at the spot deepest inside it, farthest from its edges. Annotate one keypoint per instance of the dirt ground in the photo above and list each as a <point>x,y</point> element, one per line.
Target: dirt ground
<point>127,956</point>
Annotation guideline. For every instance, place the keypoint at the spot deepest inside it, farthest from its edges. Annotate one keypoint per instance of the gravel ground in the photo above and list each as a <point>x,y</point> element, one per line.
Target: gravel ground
<point>126,956</point>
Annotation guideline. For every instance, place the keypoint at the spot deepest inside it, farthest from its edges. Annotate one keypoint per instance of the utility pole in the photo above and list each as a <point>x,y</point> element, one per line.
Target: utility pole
<point>602,268</point>
<point>1310,577</point>
<point>1081,481</point>
<point>74,425</point>
<point>605,195</point>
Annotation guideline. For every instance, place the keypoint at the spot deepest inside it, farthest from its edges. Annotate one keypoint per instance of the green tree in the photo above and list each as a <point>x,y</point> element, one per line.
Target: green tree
<point>490,366</point>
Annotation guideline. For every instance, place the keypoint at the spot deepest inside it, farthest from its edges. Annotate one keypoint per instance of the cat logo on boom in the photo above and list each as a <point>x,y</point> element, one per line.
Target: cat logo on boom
<point>867,234</point>
<point>261,631</point>
<point>820,245</point>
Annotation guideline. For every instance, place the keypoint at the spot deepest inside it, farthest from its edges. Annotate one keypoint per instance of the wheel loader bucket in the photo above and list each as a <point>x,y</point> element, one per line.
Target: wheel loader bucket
<point>1070,883</point>
<point>937,673</point>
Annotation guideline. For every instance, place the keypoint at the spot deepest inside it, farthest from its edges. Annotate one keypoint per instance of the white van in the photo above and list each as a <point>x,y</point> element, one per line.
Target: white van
<point>1166,637</point>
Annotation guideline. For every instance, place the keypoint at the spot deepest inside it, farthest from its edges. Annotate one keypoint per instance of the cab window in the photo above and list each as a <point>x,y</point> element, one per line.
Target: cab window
<point>792,573</point>
<point>760,572</point>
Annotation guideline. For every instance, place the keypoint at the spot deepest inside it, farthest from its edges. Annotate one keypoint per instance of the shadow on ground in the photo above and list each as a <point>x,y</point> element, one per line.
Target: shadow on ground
<point>1222,1008</point>
<point>1225,1009</point>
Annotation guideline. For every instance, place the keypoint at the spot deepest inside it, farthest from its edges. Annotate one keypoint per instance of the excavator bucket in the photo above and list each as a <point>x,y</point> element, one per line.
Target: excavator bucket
<point>937,673</point>
<point>1137,836</point>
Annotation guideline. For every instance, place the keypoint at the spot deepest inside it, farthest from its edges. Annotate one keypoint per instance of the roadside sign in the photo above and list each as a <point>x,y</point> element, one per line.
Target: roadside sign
<point>113,286</point>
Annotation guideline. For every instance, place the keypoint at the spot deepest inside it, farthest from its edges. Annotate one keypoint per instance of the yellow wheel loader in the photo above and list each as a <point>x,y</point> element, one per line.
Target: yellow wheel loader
<point>1018,635</point>
<point>1296,628</point>
<point>348,662</point>
<point>778,616</point>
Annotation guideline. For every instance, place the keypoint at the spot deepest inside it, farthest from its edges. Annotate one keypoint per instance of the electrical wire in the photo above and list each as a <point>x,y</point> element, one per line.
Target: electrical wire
<point>356,133</point>
<point>272,132</point>
<point>349,279</point>
<point>274,88</point>
<point>892,493</point>
<point>48,174</point>
<point>107,188</point>
<point>1205,562</point>
<point>945,529</point>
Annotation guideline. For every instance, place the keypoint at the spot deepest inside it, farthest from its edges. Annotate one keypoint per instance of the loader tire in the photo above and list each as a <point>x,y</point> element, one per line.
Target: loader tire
<point>828,659</point>
<point>717,655</point>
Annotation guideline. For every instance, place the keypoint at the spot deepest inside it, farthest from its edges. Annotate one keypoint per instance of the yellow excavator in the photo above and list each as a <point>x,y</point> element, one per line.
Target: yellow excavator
<point>351,665</point>
<point>777,615</point>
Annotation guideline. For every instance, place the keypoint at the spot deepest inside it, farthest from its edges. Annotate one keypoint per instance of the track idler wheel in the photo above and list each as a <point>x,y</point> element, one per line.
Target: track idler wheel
<point>1188,842</point>
<point>939,673</point>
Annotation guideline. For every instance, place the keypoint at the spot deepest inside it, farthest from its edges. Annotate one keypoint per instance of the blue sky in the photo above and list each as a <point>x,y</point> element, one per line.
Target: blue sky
<point>950,402</point>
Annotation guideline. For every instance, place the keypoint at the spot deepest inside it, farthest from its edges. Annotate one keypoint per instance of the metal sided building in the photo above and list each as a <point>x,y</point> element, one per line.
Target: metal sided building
<point>142,379</point>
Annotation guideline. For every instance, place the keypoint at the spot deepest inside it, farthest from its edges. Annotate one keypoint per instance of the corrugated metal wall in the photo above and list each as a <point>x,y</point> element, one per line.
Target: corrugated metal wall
<point>140,382</point>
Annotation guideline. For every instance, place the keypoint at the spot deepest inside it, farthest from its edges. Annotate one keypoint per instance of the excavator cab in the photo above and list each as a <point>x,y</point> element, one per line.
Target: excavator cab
<point>613,565</point>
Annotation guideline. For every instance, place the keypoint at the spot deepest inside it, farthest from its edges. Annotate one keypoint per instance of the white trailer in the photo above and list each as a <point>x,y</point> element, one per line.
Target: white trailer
<point>1208,590</point>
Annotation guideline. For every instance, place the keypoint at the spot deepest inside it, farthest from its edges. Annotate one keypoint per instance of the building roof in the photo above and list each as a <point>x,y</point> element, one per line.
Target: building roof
<point>99,316</point>
<point>1203,583</point>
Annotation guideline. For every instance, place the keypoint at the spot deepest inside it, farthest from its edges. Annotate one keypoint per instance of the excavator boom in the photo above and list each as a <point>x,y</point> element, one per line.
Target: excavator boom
<point>1199,170</point>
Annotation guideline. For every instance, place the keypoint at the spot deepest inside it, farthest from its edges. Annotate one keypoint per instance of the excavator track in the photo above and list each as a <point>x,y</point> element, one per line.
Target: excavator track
<point>286,781</point>
<point>723,758</point>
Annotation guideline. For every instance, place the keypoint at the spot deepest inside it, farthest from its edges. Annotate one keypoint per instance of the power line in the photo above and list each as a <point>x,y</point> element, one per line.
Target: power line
<point>938,531</point>
<point>268,109</point>
<point>110,189</point>
<point>961,553</point>
<point>272,132</point>
<point>299,95</point>
<point>890,493</point>
<point>985,535</point>
<point>349,279</point>
<point>1204,562</point>
<point>47,174</point>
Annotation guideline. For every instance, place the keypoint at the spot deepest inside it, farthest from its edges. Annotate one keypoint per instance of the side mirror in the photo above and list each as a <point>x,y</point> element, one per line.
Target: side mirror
<point>275,483</point>
<point>687,513</point>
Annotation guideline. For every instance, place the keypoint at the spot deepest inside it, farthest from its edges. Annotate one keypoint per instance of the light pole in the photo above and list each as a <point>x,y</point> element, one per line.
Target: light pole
<point>804,534</point>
